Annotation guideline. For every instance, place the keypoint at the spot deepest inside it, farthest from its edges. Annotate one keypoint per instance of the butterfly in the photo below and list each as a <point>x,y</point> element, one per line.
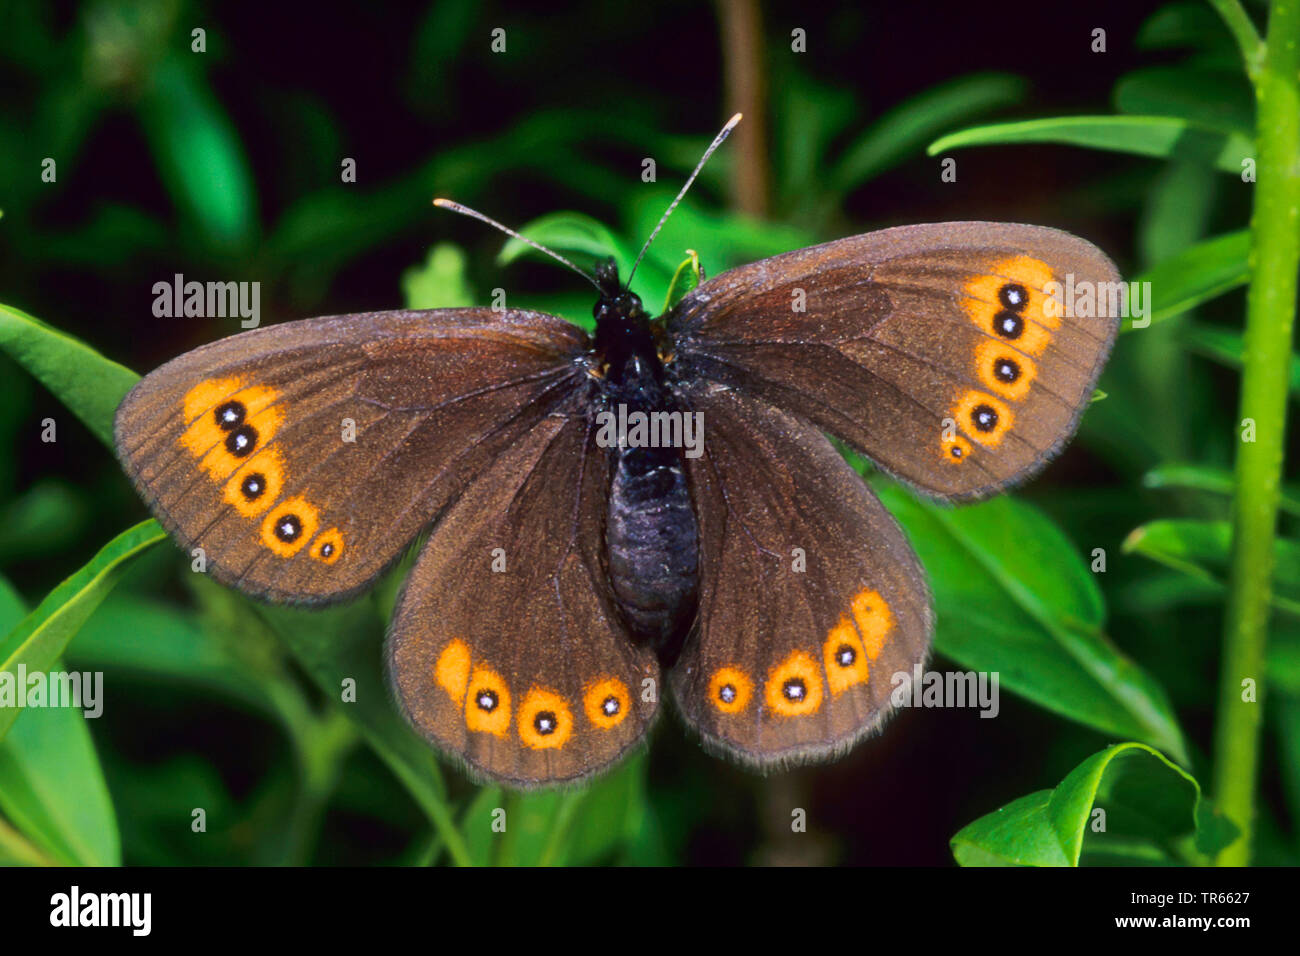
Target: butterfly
<point>576,578</point>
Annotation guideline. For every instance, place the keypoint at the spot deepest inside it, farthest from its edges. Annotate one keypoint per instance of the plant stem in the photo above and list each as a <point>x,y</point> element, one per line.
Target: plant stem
<point>1270,315</point>
<point>1244,32</point>
<point>741,25</point>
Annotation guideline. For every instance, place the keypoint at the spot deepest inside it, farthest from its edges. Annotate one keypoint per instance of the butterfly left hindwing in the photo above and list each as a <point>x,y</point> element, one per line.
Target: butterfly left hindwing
<point>810,597</point>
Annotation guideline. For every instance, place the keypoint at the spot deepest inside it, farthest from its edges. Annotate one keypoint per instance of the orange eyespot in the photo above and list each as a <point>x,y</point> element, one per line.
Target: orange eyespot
<point>844,657</point>
<point>730,690</point>
<point>452,670</point>
<point>327,547</point>
<point>289,525</point>
<point>983,418</point>
<point>794,687</point>
<point>954,449</point>
<point>235,426</point>
<point>1010,303</point>
<point>874,621</point>
<point>545,720</point>
<point>607,703</point>
<point>1003,370</point>
<point>487,703</point>
<point>256,485</point>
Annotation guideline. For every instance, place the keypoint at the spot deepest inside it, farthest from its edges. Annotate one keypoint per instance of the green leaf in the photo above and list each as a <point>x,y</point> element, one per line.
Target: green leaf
<point>1197,274</point>
<point>90,385</point>
<point>1148,802</point>
<point>43,635</point>
<point>1200,549</point>
<point>51,784</point>
<point>440,283</point>
<point>1158,136</point>
<point>351,656</point>
<point>686,278</point>
<point>198,154</point>
<point>1228,347</point>
<point>163,643</point>
<point>573,235</point>
<point>905,129</point>
<point>1216,97</point>
<point>1012,596</point>
<point>1215,480</point>
<point>52,788</point>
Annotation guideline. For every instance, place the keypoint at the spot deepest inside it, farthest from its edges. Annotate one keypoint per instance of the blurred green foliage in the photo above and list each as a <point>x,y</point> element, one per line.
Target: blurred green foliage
<point>222,704</point>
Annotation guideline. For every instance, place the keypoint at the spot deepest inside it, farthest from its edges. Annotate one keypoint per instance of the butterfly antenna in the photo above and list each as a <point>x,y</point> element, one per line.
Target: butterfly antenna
<point>717,141</point>
<point>474,213</point>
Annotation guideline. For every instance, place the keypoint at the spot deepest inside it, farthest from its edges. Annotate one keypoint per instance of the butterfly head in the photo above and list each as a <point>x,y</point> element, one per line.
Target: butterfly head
<point>624,340</point>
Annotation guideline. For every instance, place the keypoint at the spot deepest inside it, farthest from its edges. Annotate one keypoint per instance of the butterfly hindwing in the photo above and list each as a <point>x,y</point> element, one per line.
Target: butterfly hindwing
<point>937,350</point>
<point>505,650</point>
<point>303,457</point>
<point>810,597</point>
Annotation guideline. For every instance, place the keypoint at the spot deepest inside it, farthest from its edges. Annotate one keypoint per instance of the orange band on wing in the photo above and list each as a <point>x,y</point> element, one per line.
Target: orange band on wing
<point>487,703</point>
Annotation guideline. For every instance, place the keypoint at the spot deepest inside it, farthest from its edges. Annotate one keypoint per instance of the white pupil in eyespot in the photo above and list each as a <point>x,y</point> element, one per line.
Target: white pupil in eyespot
<point>728,694</point>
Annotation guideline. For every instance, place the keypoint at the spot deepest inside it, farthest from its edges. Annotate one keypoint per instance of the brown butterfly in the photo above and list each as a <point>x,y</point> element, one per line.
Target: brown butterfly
<point>569,574</point>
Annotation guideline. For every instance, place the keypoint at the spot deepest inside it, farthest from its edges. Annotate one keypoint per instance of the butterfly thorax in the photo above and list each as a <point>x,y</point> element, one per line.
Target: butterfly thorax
<point>651,533</point>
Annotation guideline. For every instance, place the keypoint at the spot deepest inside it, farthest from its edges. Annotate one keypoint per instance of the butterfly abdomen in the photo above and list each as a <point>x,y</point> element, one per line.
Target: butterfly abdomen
<point>651,541</point>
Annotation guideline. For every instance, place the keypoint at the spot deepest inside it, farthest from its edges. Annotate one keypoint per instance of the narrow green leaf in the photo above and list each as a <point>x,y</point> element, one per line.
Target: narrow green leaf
<point>90,385</point>
<point>351,659</point>
<point>51,784</point>
<point>1200,550</point>
<point>1158,136</point>
<point>1214,96</point>
<point>1142,797</point>
<point>52,788</point>
<point>1215,480</point>
<point>905,129</point>
<point>1227,347</point>
<point>1199,273</point>
<point>1012,596</point>
<point>573,235</point>
<point>198,153</point>
<point>43,635</point>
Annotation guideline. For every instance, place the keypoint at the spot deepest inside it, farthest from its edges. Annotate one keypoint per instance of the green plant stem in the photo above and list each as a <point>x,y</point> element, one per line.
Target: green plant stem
<point>1244,32</point>
<point>1270,315</point>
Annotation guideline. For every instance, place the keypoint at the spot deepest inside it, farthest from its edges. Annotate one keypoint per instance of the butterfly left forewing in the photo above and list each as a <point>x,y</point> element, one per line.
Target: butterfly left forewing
<point>302,458</point>
<point>810,597</point>
<point>505,650</point>
<point>900,343</point>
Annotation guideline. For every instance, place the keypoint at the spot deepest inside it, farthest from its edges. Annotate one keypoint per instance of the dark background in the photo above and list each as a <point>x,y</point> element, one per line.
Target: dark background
<point>414,94</point>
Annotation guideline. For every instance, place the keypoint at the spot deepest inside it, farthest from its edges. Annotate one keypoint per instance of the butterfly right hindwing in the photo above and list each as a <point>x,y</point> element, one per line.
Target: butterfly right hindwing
<point>811,599</point>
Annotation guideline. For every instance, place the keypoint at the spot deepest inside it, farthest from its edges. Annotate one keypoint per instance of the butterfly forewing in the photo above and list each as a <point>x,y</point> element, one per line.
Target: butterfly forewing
<point>810,597</point>
<point>303,457</point>
<point>505,649</point>
<point>940,351</point>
